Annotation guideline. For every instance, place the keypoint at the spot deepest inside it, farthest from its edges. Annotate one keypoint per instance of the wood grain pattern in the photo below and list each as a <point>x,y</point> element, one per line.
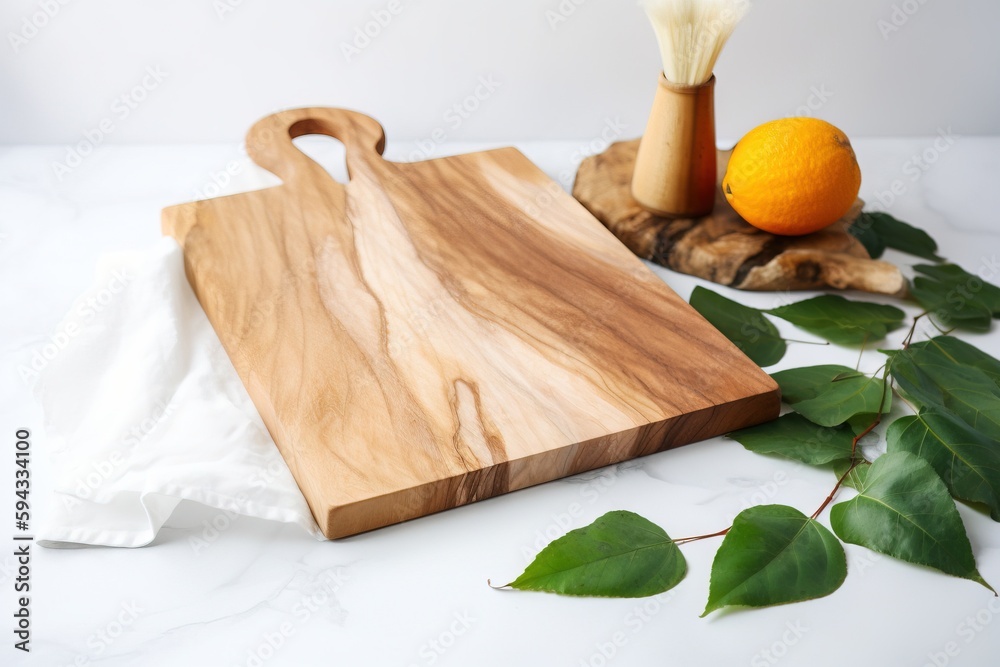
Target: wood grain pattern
<point>675,166</point>
<point>722,247</point>
<point>415,340</point>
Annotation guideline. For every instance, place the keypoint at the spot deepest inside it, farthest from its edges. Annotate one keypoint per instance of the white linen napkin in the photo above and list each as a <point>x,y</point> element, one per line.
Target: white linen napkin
<point>143,409</point>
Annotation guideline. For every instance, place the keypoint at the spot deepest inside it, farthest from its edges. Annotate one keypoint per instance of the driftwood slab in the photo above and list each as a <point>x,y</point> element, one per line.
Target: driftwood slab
<point>417,338</point>
<point>722,247</point>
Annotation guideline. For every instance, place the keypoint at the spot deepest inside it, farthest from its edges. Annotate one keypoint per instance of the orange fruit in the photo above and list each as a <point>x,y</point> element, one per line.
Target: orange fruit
<point>792,176</point>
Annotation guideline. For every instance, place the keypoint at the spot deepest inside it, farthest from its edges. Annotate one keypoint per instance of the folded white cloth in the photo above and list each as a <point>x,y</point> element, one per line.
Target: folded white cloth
<point>143,409</point>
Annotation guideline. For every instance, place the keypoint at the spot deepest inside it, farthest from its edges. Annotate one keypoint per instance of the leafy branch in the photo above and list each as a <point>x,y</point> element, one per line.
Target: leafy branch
<point>905,501</point>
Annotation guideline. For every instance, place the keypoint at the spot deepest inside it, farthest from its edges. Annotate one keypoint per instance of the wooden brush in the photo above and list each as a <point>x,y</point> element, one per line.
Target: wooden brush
<point>675,171</point>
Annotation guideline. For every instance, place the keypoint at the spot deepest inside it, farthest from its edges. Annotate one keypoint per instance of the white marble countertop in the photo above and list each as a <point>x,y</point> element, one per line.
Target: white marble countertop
<point>416,594</point>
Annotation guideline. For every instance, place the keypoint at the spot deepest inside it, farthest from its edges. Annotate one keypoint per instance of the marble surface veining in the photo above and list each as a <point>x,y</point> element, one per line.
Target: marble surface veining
<point>217,590</point>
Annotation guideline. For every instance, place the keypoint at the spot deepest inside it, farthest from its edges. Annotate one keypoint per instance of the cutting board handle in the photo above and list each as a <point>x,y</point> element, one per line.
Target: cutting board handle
<point>269,141</point>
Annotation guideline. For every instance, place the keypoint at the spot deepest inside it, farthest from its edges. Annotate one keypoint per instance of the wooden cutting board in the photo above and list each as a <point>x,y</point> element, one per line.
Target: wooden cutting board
<point>435,333</point>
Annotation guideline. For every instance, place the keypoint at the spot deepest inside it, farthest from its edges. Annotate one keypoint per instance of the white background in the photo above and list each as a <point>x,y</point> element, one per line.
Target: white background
<point>229,62</point>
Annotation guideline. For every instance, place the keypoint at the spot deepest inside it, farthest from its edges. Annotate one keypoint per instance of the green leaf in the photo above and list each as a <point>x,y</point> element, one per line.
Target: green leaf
<point>830,395</point>
<point>955,297</point>
<point>841,321</point>
<point>903,510</point>
<point>967,285</point>
<point>772,555</point>
<point>856,477</point>
<point>746,327</point>
<point>795,437</point>
<point>967,461</point>
<point>620,555</point>
<point>960,353</point>
<point>863,230</point>
<point>800,384</point>
<point>893,233</point>
<point>931,380</point>
<point>859,423</point>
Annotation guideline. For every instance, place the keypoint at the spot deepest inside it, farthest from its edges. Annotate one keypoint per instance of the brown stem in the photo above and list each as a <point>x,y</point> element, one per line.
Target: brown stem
<point>806,342</point>
<point>861,353</point>
<point>685,540</point>
<point>855,461</point>
<point>913,328</point>
<point>829,498</point>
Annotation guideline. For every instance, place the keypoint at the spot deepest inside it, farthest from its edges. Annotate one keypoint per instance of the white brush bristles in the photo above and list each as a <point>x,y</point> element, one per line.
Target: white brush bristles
<point>692,33</point>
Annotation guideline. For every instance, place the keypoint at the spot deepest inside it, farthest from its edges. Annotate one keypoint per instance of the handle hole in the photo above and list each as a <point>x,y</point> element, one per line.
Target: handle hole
<point>327,152</point>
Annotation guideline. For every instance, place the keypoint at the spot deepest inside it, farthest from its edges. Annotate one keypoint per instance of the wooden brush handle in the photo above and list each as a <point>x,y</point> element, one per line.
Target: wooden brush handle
<point>269,141</point>
<point>675,168</point>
